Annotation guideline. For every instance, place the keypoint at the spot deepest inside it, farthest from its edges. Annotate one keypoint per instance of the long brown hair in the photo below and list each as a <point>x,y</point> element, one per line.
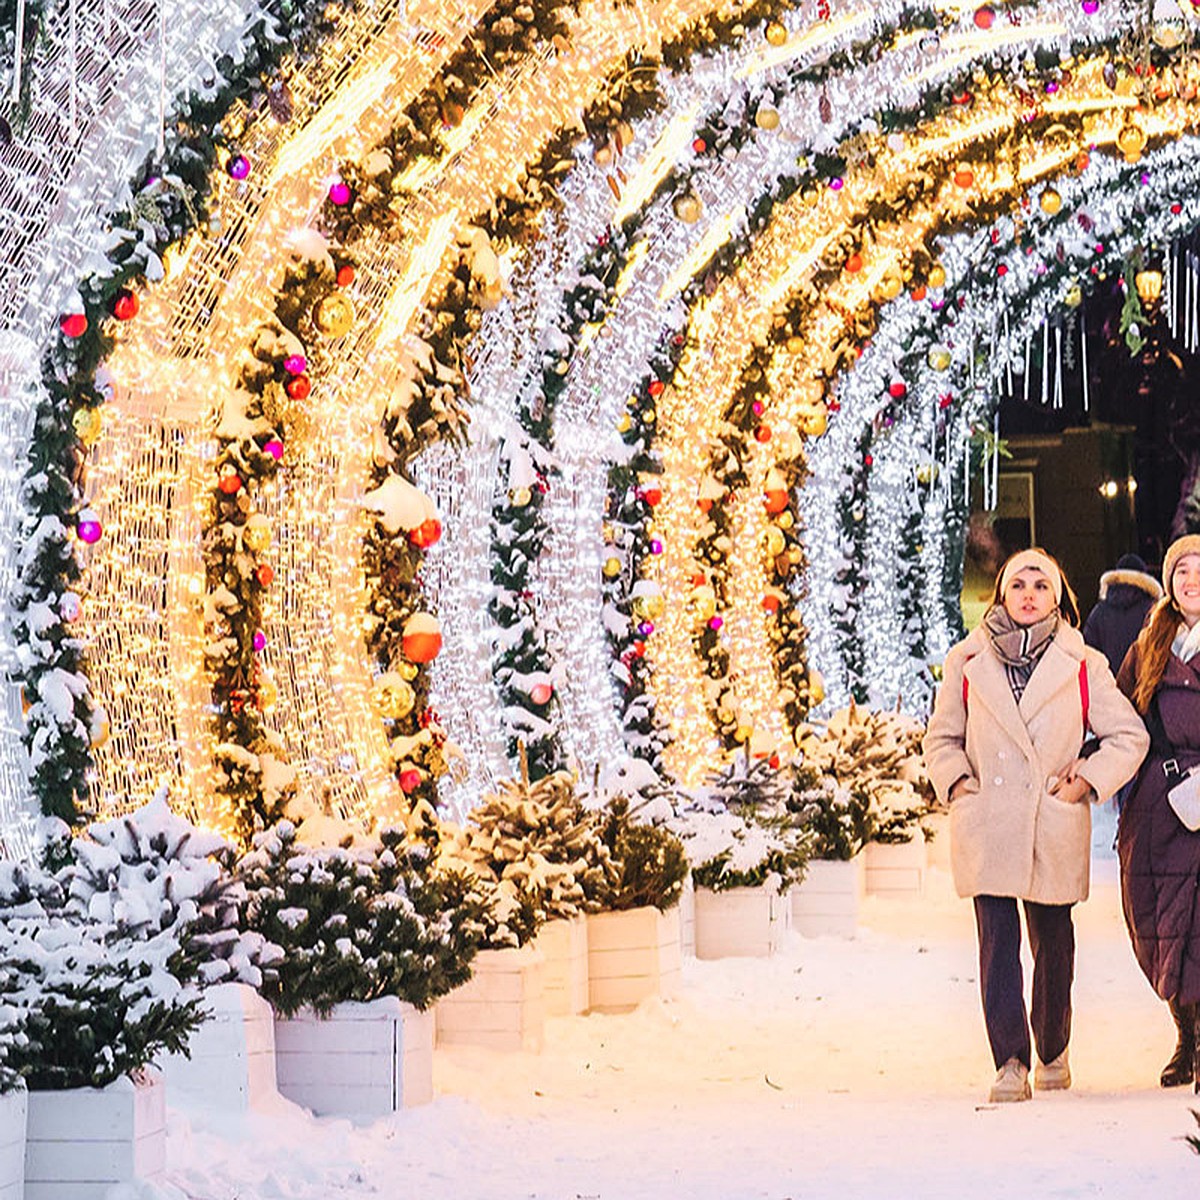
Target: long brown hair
<point>1153,647</point>
<point>1068,605</point>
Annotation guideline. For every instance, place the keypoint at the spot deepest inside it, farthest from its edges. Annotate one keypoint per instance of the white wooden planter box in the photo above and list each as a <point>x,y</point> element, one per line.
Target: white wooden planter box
<point>632,955</point>
<point>14,1109</point>
<point>687,916</point>
<point>895,870</point>
<point>232,1063</point>
<point>82,1141</point>
<point>741,922</point>
<point>502,1006</point>
<point>363,1061</point>
<point>563,944</point>
<point>827,901</point>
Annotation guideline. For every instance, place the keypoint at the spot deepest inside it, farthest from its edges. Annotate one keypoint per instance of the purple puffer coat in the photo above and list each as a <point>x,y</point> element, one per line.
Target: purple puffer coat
<point>1160,857</point>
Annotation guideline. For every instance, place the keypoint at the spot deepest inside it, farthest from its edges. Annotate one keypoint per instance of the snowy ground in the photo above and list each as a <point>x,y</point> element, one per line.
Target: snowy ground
<point>850,1069</point>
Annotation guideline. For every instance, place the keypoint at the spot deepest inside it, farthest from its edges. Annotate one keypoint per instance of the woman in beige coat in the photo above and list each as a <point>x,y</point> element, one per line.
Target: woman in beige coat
<point>1003,749</point>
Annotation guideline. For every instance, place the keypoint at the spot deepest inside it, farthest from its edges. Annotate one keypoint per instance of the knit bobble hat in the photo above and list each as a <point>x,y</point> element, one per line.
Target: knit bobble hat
<point>1188,544</point>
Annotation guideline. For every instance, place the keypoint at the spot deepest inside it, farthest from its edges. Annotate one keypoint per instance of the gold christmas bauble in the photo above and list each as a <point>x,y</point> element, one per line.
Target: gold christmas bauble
<point>268,695</point>
<point>767,118</point>
<point>688,208</point>
<point>742,733</point>
<point>815,424</point>
<point>612,567</point>
<point>256,534</point>
<point>890,286</point>
<point>624,423</point>
<point>407,670</point>
<point>1050,201</point>
<point>392,696</point>
<point>334,316</point>
<point>520,497</point>
<point>776,33</point>
<point>937,276</point>
<point>1073,297</point>
<point>775,541</point>
<point>785,520</point>
<point>939,358</point>
<point>87,423</point>
<point>1131,141</point>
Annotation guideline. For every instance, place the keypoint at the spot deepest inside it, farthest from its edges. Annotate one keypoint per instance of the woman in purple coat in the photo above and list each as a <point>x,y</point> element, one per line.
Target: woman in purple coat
<point>1160,857</point>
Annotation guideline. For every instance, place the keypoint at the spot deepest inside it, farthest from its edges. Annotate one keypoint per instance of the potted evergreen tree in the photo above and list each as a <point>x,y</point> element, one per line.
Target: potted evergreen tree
<point>840,823</point>
<point>103,954</point>
<point>878,755</point>
<point>537,854</point>
<point>634,942</point>
<point>746,853</point>
<point>371,937</point>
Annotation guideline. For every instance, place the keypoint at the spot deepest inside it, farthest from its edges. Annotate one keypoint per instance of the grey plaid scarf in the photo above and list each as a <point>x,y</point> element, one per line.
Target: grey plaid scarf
<point>1019,647</point>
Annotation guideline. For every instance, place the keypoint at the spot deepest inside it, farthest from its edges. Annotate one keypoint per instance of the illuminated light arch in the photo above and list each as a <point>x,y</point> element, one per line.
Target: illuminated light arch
<point>198,316</point>
<point>179,388</point>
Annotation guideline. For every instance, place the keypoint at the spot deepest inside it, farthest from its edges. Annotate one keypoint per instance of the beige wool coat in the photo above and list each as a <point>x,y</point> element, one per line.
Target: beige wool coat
<point>1008,835</point>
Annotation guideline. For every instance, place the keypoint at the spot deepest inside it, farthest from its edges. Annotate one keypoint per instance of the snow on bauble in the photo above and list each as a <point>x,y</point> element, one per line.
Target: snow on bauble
<point>422,637</point>
<point>401,506</point>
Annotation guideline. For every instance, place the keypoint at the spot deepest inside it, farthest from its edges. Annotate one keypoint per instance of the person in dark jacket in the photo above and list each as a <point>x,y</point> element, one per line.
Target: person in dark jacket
<point>1127,594</point>
<point>1159,855</point>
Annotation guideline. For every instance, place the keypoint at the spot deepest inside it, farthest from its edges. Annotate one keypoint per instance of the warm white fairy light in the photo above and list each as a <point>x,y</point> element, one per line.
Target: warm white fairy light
<point>825,34</point>
<point>654,165</point>
<point>255,271</point>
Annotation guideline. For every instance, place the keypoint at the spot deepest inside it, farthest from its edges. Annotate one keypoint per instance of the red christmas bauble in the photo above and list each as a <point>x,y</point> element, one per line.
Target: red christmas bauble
<point>73,325</point>
<point>345,275</point>
<point>266,573</point>
<point>854,264</point>
<point>763,433</point>
<point>230,484</point>
<point>656,387</point>
<point>897,389</point>
<point>125,305</point>
<point>298,387</point>
<point>652,496</point>
<point>425,534</point>
<point>410,780</point>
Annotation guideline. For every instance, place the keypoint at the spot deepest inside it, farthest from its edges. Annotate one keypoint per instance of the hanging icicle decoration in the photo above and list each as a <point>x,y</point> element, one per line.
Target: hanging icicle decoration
<point>1045,361</point>
<point>994,498</point>
<point>162,78</point>
<point>1083,360</point>
<point>1168,296</point>
<point>1008,372</point>
<point>18,47</point>
<point>1058,366</point>
<point>1025,384</point>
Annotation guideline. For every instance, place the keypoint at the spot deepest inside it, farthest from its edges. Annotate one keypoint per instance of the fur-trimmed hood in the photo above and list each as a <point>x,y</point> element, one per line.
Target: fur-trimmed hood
<point>1140,581</point>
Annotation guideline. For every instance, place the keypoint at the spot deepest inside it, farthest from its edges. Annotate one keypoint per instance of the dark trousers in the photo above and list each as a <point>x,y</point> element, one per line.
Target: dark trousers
<point>1052,940</point>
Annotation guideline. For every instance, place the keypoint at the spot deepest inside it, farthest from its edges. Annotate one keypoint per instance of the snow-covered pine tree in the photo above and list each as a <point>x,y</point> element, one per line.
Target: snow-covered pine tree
<point>650,861</point>
<point>533,845</point>
<point>358,923</point>
<point>98,959</point>
<point>838,819</point>
<point>738,831</point>
<point>150,871</point>
<point>878,754</point>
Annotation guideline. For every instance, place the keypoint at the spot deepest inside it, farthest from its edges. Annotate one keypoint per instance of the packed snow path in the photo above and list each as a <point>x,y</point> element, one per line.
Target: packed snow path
<point>853,1070</point>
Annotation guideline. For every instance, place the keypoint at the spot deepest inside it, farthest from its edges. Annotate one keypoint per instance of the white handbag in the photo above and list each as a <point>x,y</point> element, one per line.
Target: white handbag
<point>1184,798</point>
